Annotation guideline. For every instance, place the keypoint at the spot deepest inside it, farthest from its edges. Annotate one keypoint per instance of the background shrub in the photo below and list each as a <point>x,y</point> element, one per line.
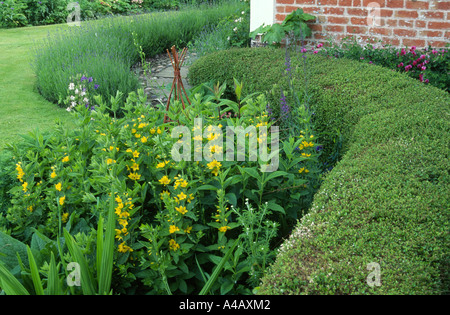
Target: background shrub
<point>105,49</point>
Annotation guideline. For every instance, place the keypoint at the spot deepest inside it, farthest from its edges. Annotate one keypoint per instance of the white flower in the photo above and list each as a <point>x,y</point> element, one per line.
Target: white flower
<point>73,104</point>
<point>68,109</point>
<point>235,29</point>
<point>71,86</point>
<point>85,100</point>
<point>72,98</point>
<point>83,93</point>
<point>243,12</point>
<point>76,91</point>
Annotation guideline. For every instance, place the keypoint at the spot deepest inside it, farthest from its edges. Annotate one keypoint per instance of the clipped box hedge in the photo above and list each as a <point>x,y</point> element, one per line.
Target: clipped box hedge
<point>385,202</point>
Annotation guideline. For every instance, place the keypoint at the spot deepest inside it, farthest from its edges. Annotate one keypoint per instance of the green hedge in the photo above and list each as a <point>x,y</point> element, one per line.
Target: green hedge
<point>386,200</point>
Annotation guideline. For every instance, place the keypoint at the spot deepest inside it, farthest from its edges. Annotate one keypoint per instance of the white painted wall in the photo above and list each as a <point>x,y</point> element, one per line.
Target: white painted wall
<point>261,11</point>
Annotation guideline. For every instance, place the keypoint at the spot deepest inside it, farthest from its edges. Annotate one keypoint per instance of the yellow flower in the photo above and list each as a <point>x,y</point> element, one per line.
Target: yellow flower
<point>173,245</point>
<point>58,187</point>
<point>152,131</point>
<point>110,161</point>
<point>61,200</point>
<point>135,167</point>
<point>64,217</point>
<point>134,176</point>
<point>198,138</point>
<point>191,197</point>
<point>182,196</point>
<point>136,154</point>
<point>223,229</point>
<point>164,180</point>
<point>181,209</point>
<point>173,229</point>
<point>144,139</point>
<point>158,131</point>
<point>25,185</point>
<point>53,174</point>
<point>30,208</point>
<point>306,155</point>
<point>214,164</point>
<point>188,229</point>
<point>160,165</point>
<point>124,248</point>
<point>65,159</point>
<point>20,172</point>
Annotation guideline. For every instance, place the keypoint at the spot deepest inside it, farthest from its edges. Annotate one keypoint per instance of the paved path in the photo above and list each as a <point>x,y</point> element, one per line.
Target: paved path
<point>158,83</point>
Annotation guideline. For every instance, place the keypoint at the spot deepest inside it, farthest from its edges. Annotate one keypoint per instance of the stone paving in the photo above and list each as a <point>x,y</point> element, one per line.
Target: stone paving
<point>158,83</point>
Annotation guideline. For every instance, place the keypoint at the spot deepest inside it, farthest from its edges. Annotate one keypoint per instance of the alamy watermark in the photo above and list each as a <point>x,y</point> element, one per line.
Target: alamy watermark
<point>73,19</point>
<point>214,150</point>
<point>374,278</point>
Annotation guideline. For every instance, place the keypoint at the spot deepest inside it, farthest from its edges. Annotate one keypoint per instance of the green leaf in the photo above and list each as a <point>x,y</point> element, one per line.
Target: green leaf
<point>35,273</point>
<point>274,175</point>
<point>218,269</point>
<point>53,283</point>
<point>275,207</point>
<point>9,283</point>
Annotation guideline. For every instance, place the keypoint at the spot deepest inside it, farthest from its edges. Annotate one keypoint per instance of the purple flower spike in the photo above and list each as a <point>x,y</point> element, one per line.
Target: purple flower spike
<point>90,79</point>
<point>83,78</point>
<point>96,86</point>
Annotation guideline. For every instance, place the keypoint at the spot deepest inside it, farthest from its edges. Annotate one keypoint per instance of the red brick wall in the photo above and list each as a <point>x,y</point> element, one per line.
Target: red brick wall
<point>398,22</point>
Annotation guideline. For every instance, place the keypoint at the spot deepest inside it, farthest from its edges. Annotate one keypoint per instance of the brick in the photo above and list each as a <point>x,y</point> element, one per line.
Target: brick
<point>310,2</point>
<point>447,34</point>
<point>356,29</point>
<point>404,33</point>
<point>416,5</point>
<point>443,5</point>
<point>321,19</point>
<point>285,1</point>
<point>328,2</point>
<point>380,31</point>
<point>394,3</point>
<point>335,11</point>
<point>433,15</point>
<point>357,12</point>
<point>345,3</point>
<point>391,41</point>
<point>408,42</point>
<point>289,8</point>
<point>338,20</point>
<point>391,23</point>
<point>358,21</point>
<point>334,28</point>
<point>316,27</point>
<point>406,23</point>
<point>366,3</point>
<point>439,25</point>
<point>311,10</point>
<point>280,17</point>
<point>280,9</point>
<point>437,43</point>
<point>421,24</point>
<point>430,33</point>
<point>357,3</point>
<point>407,14</point>
<point>386,13</point>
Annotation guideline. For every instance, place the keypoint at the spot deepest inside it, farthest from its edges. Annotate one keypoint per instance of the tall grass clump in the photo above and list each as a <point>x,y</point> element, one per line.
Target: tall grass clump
<point>105,50</point>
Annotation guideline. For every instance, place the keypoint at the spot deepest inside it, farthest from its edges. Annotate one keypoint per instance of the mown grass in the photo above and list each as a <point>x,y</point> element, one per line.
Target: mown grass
<point>22,108</point>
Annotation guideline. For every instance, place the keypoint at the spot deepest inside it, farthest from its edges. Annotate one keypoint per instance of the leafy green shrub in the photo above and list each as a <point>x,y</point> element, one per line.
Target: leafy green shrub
<point>12,13</point>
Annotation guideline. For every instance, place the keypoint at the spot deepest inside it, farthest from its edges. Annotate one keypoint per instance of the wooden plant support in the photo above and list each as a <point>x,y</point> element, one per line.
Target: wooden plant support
<point>177,85</point>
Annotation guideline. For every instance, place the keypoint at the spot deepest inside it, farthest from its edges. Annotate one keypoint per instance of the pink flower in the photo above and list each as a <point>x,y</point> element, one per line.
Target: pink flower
<point>304,50</point>
<point>407,68</point>
<point>426,81</point>
<point>434,52</point>
<point>413,48</point>
<point>414,62</point>
<point>400,65</point>
<point>421,77</point>
<point>315,52</point>
<point>403,52</point>
<point>423,68</point>
<point>320,45</point>
<point>423,57</point>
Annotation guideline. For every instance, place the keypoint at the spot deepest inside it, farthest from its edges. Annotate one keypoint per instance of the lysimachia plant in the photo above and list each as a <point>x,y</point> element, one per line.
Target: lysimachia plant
<point>180,225</point>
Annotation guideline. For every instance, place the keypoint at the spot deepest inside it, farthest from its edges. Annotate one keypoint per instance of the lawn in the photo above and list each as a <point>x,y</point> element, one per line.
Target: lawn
<point>22,108</point>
